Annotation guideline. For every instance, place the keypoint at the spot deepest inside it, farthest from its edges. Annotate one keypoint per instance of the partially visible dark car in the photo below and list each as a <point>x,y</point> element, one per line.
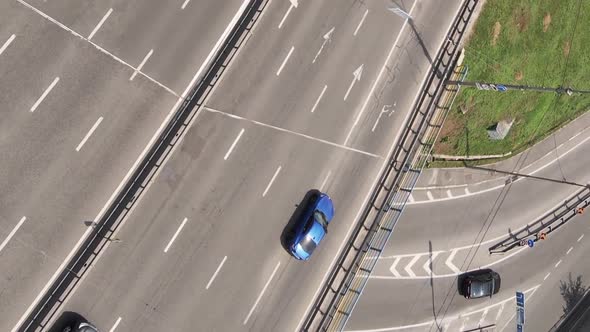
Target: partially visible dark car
<point>479,283</point>
<point>79,326</point>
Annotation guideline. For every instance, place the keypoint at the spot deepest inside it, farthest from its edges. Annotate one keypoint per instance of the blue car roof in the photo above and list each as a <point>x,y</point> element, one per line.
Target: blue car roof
<point>317,232</point>
<point>325,205</point>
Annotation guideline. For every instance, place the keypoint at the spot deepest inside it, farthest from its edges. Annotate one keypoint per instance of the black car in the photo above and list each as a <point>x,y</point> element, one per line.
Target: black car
<point>79,326</point>
<point>480,283</point>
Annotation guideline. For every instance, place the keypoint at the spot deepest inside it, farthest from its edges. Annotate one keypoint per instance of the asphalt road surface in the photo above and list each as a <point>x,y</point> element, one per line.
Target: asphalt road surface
<point>315,99</point>
<point>413,287</point>
<point>80,102</point>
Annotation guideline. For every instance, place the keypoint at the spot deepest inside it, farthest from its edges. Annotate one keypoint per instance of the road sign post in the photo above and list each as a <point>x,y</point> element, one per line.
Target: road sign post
<point>520,320</point>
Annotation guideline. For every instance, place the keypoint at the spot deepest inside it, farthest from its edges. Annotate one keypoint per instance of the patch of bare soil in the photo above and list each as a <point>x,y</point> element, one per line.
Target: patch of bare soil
<point>496,33</point>
<point>451,128</point>
<point>566,48</point>
<point>546,22</point>
<point>518,75</point>
<point>521,19</point>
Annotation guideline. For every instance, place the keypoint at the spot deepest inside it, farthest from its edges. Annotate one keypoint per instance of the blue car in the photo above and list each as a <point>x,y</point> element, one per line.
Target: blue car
<point>312,226</point>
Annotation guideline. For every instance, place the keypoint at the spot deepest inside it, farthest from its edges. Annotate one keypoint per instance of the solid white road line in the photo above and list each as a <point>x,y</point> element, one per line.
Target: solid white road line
<point>209,109</point>
<point>360,23</point>
<point>262,293</point>
<point>184,4</point>
<point>319,98</point>
<point>546,276</point>
<point>5,46</point>
<point>11,234</point>
<point>580,238</point>
<point>271,181</point>
<point>104,18</point>
<point>79,147</point>
<point>233,145</point>
<point>148,146</point>
<point>44,94</point>
<point>325,181</point>
<point>115,325</point>
<point>569,250</point>
<point>175,234</point>
<point>216,272</point>
<point>483,317</point>
<point>138,69</point>
<point>285,60</point>
<point>557,264</point>
<point>293,4</point>
<point>370,94</point>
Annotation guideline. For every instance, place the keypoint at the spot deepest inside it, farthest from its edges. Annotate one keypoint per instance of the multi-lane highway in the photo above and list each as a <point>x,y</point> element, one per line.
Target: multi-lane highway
<point>313,100</point>
<point>81,100</point>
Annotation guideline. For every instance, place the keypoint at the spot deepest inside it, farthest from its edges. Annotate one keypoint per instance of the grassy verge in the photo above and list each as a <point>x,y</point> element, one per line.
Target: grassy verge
<point>527,42</point>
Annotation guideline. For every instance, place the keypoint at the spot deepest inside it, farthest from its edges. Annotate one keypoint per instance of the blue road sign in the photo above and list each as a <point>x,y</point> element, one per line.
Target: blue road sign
<point>520,299</point>
<point>518,328</point>
<point>531,243</point>
<point>501,88</point>
<point>520,316</point>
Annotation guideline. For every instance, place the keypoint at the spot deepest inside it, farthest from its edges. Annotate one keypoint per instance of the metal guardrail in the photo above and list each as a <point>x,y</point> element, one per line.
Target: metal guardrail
<point>50,303</point>
<point>347,280</point>
<point>548,223</point>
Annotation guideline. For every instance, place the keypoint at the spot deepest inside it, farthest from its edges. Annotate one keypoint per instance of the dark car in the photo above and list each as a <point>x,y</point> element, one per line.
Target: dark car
<point>79,326</point>
<point>311,227</point>
<point>480,283</point>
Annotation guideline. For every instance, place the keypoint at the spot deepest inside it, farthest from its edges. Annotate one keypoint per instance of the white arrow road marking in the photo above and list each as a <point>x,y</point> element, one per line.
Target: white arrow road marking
<point>327,39</point>
<point>449,262</point>
<point>426,265</point>
<point>392,268</point>
<point>408,267</point>
<point>293,5</point>
<point>357,77</point>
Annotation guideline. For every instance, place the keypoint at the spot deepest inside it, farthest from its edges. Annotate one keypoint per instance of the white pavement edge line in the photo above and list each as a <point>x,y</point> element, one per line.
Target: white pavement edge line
<point>45,93</point>
<point>11,234</point>
<point>285,60</point>
<point>261,293</point>
<point>580,238</point>
<point>216,272</point>
<point>569,250</point>
<point>61,25</point>
<point>97,27</point>
<point>266,125</point>
<point>504,185</point>
<point>233,145</point>
<point>557,264</point>
<point>115,325</point>
<point>546,276</point>
<point>360,23</point>
<point>319,98</point>
<point>370,94</point>
<point>377,176</point>
<point>7,43</point>
<point>184,4</point>
<point>90,132</point>
<point>531,290</point>
<point>138,69</point>
<point>176,234</point>
<point>223,36</point>
<point>271,181</point>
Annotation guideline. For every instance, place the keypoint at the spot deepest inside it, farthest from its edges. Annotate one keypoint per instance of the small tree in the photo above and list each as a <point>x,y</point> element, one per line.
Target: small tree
<point>572,292</point>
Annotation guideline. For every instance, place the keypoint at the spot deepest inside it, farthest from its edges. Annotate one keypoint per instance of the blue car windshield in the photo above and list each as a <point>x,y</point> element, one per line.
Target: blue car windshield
<point>308,244</point>
<point>321,218</point>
